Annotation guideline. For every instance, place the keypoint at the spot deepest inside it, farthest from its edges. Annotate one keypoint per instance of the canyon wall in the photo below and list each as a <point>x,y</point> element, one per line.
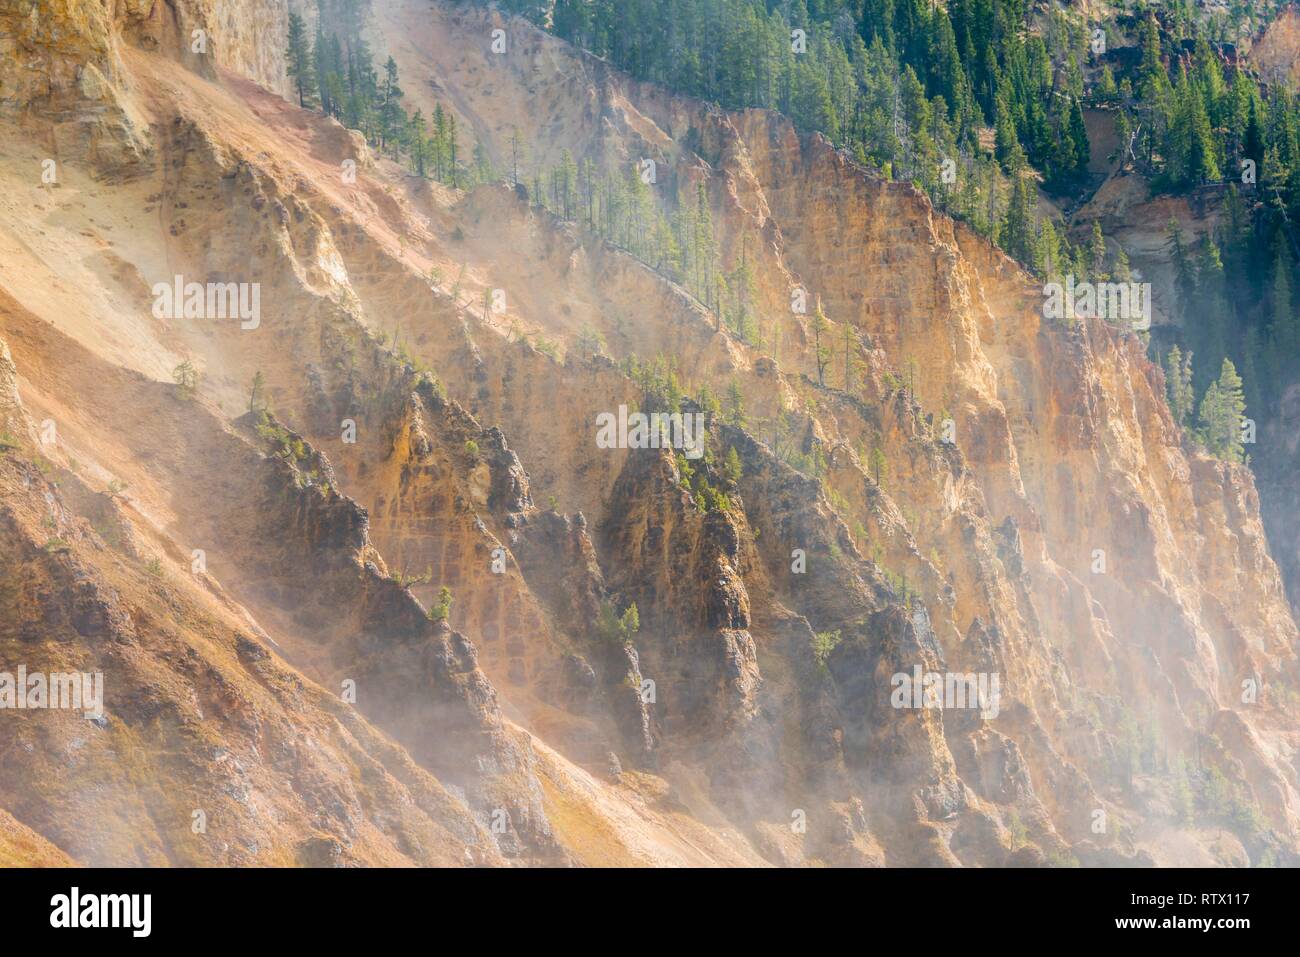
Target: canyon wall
<point>965,488</point>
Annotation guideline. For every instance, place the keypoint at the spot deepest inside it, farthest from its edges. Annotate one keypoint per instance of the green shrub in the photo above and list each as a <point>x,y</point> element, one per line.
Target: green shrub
<point>621,629</point>
<point>824,642</point>
<point>442,610</point>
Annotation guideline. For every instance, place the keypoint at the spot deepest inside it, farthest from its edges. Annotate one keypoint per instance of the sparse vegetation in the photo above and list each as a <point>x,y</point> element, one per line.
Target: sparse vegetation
<point>1047,412</point>
<point>824,642</point>
<point>732,470</point>
<point>186,378</point>
<point>1016,830</point>
<point>406,580</point>
<point>695,479</point>
<point>878,466</point>
<point>256,396</point>
<point>1062,858</point>
<point>735,408</point>
<point>616,628</point>
<point>441,610</point>
<point>589,342</point>
<point>1228,802</point>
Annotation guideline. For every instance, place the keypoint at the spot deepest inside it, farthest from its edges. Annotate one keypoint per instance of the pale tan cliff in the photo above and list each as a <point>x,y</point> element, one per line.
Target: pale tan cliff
<point>971,556</point>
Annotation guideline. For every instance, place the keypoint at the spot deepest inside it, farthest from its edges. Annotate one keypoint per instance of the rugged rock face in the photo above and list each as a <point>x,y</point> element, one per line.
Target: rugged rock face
<point>208,750</point>
<point>968,490</point>
<point>64,65</point>
<point>1129,210</point>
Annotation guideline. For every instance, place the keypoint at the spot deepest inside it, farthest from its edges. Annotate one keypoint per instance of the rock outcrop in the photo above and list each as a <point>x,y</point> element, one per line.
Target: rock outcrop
<point>964,490</point>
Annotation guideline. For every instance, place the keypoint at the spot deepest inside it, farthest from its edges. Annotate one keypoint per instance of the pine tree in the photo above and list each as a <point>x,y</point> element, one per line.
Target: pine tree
<point>438,151</point>
<point>1222,410</point>
<point>1047,258</point>
<point>811,107</point>
<point>1178,380</point>
<point>877,466</point>
<point>667,256</point>
<point>732,469</point>
<point>452,148</point>
<point>1016,231</point>
<point>1190,149</point>
<point>516,149</point>
<point>320,63</point>
<point>1152,70</point>
<point>1202,161</point>
<point>330,77</point>
<point>256,397</point>
<point>568,180</point>
<point>417,145</point>
<point>362,89</point>
<point>1122,271</point>
<point>1106,88</point>
<point>1123,135</point>
<point>1184,275</point>
<point>1097,254</point>
<point>1213,305</point>
<point>1285,327</point>
<point>704,247</point>
<point>1079,138</point>
<point>946,76</point>
<point>186,378</point>
<point>571,20</point>
<point>821,351</point>
<point>483,171</point>
<point>735,404</point>
<point>1252,143</point>
<point>742,282</point>
<point>850,361</point>
<point>589,342</point>
<point>392,118</point>
<point>1007,145</point>
<point>299,63</point>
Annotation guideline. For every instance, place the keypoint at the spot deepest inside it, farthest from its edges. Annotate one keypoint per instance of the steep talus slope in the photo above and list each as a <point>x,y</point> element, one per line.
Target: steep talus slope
<point>63,78</point>
<point>22,847</point>
<point>1277,51</point>
<point>1066,447</point>
<point>756,694</point>
<point>190,486</point>
<point>209,750</point>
